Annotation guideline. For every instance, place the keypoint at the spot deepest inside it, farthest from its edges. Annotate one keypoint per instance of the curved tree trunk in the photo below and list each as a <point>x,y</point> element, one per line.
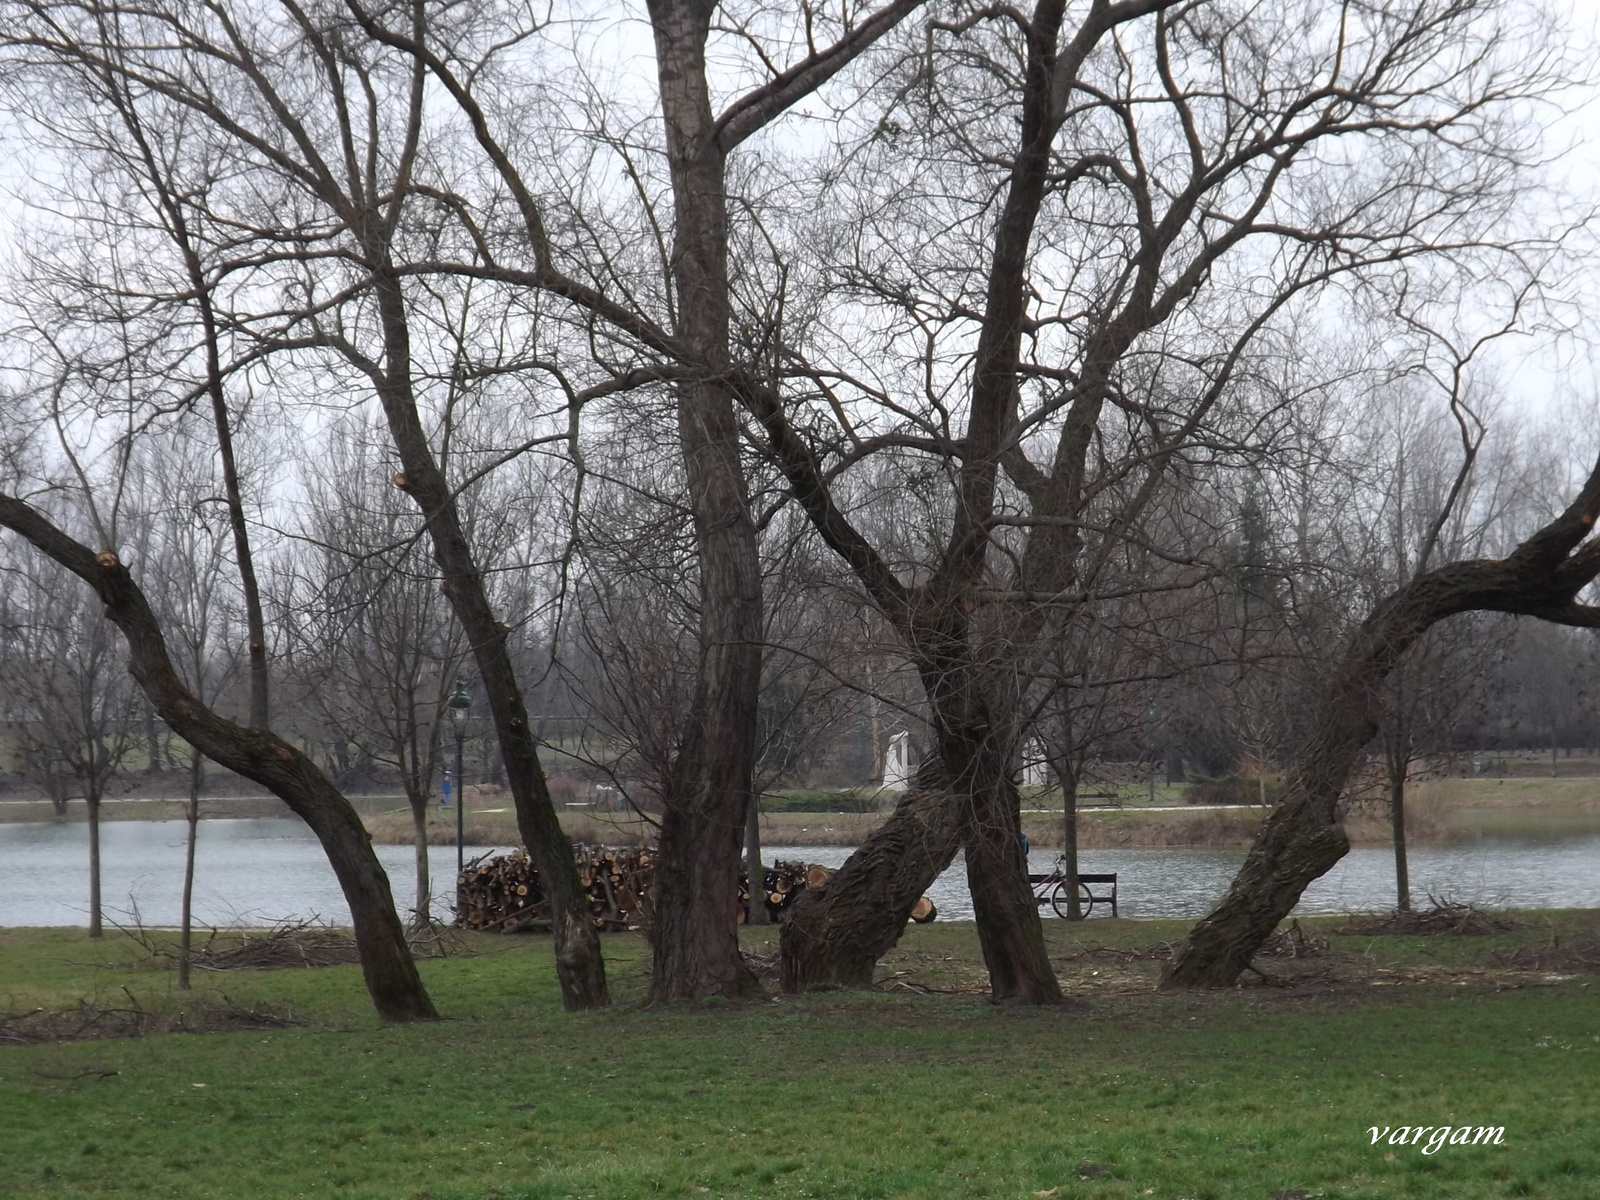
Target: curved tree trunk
<point>386,963</point>
<point>1305,835</point>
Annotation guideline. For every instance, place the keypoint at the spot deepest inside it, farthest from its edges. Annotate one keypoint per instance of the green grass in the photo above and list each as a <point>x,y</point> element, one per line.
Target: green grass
<point>881,1094</point>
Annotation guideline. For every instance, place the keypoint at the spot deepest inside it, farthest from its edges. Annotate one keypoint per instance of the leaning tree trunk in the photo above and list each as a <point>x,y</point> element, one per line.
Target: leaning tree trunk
<point>835,934</point>
<point>580,968</point>
<point>1304,837</point>
<point>386,963</point>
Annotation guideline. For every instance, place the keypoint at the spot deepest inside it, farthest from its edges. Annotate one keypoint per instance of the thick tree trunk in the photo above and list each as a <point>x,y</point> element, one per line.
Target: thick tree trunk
<point>386,963</point>
<point>695,936</point>
<point>835,934</point>
<point>1305,835</point>
<point>997,876</point>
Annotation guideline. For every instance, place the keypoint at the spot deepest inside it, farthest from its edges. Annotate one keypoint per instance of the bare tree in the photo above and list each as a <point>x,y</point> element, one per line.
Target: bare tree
<point>1542,577</point>
<point>377,648</point>
<point>77,712</point>
<point>681,327</point>
<point>1166,200</point>
<point>187,565</point>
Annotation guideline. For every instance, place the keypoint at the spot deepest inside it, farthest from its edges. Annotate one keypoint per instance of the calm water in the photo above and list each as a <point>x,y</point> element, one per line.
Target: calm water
<point>247,872</point>
<point>256,872</point>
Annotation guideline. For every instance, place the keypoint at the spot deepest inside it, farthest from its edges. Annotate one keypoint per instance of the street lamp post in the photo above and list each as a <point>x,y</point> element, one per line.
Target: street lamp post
<point>459,708</point>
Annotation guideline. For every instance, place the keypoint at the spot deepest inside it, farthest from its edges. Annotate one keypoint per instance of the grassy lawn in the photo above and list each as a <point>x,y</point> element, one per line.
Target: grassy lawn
<point>919,1088</point>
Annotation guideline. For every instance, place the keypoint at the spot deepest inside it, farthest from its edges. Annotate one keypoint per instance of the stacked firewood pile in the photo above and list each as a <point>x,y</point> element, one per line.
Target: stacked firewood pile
<point>784,881</point>
<point>503,892</point>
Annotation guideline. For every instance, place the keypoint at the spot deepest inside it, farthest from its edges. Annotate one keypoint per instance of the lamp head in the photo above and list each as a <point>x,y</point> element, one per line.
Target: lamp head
<point>459,707</point>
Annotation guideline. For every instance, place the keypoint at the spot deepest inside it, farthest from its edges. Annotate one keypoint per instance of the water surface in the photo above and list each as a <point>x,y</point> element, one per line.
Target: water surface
<point>256,872</point>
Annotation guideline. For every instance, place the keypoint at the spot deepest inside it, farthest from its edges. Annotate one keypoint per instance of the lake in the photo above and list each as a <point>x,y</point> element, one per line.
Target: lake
<point>256,872</point>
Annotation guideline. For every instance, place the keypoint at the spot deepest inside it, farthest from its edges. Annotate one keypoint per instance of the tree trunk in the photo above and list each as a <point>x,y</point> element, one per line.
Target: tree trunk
<point>580,969</point>
<point>423,914</point>
<point>754,871</point>
<point>695,938</point>
<point>1397,819</point>
<point>386,963</point>
<point>1007,917</point>
<point>191,814</point>
<point>835,934</point>
<point>1069,828</point>
<point>92,800</point>
<point>1304,836</point>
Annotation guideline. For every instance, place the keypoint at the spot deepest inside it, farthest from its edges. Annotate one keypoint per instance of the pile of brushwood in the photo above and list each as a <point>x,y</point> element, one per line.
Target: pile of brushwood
<point>1442,916</point>
<point>127,1017</point>
<point>503,891</point>
<point>289,943</point>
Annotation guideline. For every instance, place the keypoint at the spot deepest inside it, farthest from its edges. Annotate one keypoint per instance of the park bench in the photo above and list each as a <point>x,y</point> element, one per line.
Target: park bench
<point>1099,800</point>
<point>1051,889</point>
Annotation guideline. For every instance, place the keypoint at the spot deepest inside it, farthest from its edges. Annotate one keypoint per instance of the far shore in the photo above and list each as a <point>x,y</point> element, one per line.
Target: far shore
<point>1435,809</point>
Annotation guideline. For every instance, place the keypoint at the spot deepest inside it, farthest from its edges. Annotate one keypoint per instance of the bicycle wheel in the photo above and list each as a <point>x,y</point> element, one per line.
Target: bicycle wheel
<point>1059,898</point>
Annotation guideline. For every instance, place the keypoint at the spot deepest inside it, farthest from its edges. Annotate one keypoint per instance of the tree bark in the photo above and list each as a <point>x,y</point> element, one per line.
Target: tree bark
<point>695,938</point>
<point>1397,825</point>
<point>835,934</point>
<point>191,815</point>
<point>1305,836</point>
<point>580,968</point>
<point>754,871</point>
<point>1003,907</point>
<point>1068,778</point>
<point>92,800</point>
<point>419,832</point>
<point>386,963</point>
